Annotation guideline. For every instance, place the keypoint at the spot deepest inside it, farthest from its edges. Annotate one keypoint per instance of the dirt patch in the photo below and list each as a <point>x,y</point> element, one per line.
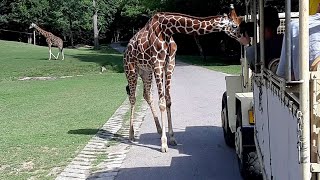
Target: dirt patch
<point>4,167</point>
<point>37,78</point>
<point>32,178</point>
<point>46,78</point>
<point>27,166</point>
<point>55,171</point>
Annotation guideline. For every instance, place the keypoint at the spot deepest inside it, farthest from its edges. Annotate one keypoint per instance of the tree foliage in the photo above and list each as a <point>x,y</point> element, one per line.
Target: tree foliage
<point>117,19</point>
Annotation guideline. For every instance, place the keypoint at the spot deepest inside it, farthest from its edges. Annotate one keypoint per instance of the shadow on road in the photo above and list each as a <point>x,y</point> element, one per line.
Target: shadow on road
<point>202,154</point>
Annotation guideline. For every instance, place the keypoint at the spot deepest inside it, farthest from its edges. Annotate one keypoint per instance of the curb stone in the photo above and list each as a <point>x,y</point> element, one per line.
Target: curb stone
<point>82,166</point>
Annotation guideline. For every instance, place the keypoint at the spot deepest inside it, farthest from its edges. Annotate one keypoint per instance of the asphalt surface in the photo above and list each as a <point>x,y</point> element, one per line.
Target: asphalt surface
<point>201,152</point>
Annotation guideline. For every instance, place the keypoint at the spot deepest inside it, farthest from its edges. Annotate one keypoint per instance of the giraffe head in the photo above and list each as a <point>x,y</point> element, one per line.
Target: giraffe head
<point>32,25</point>
<point>231,23</point>
<point>233,15</point>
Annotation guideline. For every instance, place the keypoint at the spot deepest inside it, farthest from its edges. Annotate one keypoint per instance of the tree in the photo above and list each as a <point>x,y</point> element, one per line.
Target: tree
<point>95,26</point>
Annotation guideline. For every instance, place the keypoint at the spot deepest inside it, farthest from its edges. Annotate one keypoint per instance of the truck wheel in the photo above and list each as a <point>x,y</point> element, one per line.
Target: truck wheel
<point>228,135</point>
<point>247,156</point>
<point>251,168</point>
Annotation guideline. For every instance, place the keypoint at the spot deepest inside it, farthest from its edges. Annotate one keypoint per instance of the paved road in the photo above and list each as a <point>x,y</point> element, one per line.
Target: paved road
<point>201,152</point>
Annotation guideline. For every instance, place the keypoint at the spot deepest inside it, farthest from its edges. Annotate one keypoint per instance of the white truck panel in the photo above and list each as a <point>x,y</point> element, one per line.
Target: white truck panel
<point>246,102</point>
<point>283,126</point>
<point>262,128</point>
<point>276,133</point>
<point>233,84</point>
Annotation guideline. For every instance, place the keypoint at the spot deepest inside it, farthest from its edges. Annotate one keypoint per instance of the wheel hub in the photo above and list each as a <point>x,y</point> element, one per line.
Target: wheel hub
<point>238,142</point>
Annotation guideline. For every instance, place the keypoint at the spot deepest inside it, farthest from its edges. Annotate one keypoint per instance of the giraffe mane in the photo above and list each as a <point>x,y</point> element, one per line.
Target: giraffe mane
<point>188,16</point>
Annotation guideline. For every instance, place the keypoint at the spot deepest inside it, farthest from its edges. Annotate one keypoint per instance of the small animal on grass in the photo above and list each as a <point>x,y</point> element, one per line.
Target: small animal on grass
<point>51,39</point>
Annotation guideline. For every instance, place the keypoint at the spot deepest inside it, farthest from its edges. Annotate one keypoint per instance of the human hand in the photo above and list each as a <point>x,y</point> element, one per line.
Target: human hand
<point>244,39</point>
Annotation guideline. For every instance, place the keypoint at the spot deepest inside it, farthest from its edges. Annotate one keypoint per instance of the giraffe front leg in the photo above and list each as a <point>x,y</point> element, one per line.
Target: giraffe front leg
<point>162,105</point>
<point>58,55</point>
<point>50,53</point>
<point>53,55</point>
<point>164,143</point>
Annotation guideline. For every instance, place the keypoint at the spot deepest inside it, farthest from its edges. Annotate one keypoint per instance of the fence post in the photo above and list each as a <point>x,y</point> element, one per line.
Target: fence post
<point>29,38</point>
<point>34,37</point>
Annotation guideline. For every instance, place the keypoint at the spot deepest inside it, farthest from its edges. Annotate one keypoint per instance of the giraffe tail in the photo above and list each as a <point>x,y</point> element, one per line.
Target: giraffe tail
<point>128,90</point>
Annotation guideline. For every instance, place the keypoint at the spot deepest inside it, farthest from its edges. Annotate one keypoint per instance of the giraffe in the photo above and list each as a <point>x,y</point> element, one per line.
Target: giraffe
<point>151,52</point>
<point>51,39</point>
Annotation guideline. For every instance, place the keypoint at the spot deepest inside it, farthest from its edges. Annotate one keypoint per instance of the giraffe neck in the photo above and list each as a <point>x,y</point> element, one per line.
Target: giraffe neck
<point>41,31</point>
<point>172,23</point>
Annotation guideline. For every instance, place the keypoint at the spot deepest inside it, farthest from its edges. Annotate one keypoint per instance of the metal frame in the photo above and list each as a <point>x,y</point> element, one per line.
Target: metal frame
<point>304,86</point>
<point>288,39</point>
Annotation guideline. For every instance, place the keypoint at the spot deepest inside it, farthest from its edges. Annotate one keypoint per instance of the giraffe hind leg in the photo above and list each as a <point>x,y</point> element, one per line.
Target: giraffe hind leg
<point>60,50</point>
<point>132,81</point>
<point>62,53</point>
<point>168,73</point>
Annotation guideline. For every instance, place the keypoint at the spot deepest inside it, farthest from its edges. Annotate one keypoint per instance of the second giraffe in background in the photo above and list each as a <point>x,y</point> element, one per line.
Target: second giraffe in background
<point>51,39</point>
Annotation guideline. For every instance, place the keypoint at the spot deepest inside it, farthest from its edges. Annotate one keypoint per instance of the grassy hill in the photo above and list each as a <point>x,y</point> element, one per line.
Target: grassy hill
<point>36,115</point>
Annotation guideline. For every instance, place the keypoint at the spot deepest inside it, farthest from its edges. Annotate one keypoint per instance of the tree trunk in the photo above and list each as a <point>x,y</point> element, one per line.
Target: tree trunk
<point>196,39</point>
<point>71,38</point>
<point>71,33</point>
<point>95,26</point>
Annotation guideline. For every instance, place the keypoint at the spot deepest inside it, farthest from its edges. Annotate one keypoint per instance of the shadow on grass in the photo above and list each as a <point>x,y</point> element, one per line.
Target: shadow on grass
<point>41,59</point>
<point>110,59</point>
<point>83,131</point>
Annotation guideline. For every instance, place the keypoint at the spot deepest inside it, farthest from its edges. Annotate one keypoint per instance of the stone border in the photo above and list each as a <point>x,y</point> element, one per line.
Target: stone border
<point>82,166</point>
<point>45,78</point>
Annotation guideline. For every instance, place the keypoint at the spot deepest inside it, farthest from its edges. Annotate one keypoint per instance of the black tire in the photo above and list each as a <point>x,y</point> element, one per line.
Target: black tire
<point>252,168</point>
<point>249,165</point>
<point>227,134</point>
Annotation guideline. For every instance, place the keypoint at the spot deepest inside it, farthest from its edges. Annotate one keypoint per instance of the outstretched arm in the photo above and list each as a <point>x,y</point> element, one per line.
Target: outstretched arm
<point>245,41</point>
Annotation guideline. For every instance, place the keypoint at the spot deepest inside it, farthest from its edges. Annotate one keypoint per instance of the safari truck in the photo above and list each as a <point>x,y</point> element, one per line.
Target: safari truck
<point>273,121</point>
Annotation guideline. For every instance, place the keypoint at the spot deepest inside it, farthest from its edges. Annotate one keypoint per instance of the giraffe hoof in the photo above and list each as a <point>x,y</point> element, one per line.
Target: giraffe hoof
<point>159,131</point>
<point>164,148</point>
<point>131,138</point>
<point>172,141</point>
<point>131,135</point>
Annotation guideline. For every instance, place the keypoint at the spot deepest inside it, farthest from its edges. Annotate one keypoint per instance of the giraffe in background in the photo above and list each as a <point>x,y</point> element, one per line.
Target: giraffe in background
<point>51,39</point>
<point>152,50</point>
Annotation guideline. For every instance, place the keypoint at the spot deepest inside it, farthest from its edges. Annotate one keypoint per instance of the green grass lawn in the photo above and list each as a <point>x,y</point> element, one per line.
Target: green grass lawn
<point>20,60</point>
<point>37,116</point>
<point>214,63</point>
